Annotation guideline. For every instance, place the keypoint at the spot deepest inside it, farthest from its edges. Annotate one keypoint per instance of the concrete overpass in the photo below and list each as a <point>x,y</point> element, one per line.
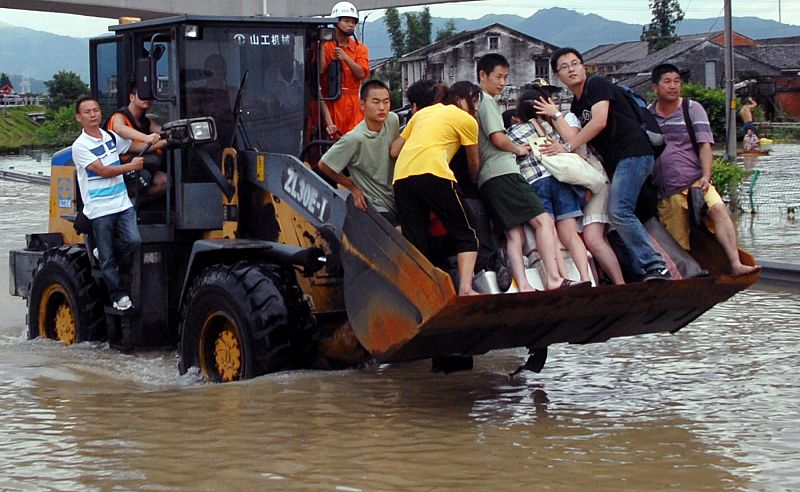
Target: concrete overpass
<point>149,9</point>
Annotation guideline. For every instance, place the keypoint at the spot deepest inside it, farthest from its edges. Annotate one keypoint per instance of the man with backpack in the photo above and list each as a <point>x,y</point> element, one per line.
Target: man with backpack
<point>686,162</point>
<point>612,125</point>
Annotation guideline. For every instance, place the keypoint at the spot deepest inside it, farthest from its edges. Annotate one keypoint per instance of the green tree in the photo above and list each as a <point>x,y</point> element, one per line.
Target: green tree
<point>60,130</point>
<point>418,29</point>
<point>4,79</point>
<point>713,101</point>
<point>414,35</point>
<point>425,27</point>
<point>660,33</point>
<point>447,31</point>
<point>395,27</point>
<point>64,89</point>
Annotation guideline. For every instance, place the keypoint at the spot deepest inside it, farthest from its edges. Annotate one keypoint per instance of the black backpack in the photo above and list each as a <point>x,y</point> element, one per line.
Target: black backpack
<point>646,119</point>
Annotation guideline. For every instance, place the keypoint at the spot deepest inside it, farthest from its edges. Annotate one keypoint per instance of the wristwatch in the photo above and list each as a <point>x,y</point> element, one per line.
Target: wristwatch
<point>568,147</point>
<point>558,115</point>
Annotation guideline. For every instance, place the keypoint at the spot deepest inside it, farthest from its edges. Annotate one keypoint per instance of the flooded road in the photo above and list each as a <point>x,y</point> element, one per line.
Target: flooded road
<point>714,406</point>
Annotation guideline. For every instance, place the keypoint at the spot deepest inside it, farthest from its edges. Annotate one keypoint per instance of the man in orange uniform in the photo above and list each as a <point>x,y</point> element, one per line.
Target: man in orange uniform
<point>345,113</point>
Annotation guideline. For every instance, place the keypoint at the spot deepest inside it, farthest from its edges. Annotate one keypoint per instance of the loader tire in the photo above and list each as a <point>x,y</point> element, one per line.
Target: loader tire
<point>235,323</point>
<point>65,302</point>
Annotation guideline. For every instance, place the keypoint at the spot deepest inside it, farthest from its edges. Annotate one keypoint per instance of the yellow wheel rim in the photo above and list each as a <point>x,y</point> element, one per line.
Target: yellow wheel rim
<point>65,325</point>
<point>226,360</point>
<point>56,315</point>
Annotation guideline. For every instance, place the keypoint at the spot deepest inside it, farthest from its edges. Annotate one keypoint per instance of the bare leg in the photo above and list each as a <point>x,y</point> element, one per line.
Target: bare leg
<point>514,242</point>
<point>596,242</point>
<point>547,244</point>
<point>562,265</point>
<point>568,234</point>
<point>726,235</point>
<point>466,265</point>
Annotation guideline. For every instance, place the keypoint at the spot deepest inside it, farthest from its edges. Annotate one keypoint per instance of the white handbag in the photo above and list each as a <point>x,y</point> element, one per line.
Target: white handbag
<point>568,167</point>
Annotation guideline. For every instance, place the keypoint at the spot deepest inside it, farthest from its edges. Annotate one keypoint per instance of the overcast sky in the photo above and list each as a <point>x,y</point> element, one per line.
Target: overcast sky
<point>631,11</point>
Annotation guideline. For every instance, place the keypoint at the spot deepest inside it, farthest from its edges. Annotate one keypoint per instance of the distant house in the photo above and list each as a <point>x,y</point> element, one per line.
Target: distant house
<point>7,90</point>
<point>783,87</point>
<point>701,58</point>
<point>609,58</point>
<point>456,57</point>
<point>380,67</point>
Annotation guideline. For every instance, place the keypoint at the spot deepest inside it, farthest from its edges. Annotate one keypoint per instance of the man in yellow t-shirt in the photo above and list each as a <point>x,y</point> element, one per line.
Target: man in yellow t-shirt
<point>424,183</point>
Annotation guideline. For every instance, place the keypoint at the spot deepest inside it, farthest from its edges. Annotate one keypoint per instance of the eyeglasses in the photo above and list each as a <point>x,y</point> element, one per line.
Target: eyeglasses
<point>567,66</point>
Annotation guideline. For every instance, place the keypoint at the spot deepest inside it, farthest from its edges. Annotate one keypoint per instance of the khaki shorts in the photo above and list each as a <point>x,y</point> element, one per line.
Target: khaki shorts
<point>674,213</point>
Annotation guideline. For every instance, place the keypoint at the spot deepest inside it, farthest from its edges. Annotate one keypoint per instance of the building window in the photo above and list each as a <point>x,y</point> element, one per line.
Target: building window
<point>541,69</point>
<point>494,42</point>
<point>452,73</point>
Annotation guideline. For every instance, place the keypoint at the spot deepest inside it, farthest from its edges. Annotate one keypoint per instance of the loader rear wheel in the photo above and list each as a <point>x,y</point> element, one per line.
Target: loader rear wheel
<point>65,303</point>
<point>235,323</point>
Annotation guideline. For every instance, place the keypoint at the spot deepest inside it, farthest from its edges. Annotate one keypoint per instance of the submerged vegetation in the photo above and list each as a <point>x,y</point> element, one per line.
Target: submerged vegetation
<point>727,178</point>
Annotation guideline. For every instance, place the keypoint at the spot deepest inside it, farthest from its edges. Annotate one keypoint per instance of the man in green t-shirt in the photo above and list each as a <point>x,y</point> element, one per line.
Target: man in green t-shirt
<point>364,151</point>
<point>510,198</point>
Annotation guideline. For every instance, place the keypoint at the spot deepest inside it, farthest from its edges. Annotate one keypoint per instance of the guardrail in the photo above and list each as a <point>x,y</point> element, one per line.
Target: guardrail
<point>20,101</point>
<point>25,177</point>
<point>780,124</point>
<point>779,272</point>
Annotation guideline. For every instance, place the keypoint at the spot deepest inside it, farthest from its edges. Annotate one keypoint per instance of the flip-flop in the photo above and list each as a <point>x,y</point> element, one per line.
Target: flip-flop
<point>573,284</point>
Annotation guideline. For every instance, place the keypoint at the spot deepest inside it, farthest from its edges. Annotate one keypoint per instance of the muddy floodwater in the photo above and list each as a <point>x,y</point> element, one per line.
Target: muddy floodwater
<point>715,406</point>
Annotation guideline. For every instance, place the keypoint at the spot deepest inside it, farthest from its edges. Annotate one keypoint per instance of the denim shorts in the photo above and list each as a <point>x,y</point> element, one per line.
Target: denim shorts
<point>560,200</point>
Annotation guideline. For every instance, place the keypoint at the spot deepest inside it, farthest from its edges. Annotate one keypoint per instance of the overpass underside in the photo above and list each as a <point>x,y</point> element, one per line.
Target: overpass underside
<point>149,9</point>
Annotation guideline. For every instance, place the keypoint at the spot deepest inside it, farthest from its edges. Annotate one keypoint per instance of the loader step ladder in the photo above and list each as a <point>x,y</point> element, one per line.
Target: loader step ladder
<point>118,325</point>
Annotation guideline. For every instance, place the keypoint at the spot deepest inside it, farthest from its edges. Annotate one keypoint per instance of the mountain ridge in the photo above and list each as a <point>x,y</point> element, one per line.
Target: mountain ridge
<point>38,54</point>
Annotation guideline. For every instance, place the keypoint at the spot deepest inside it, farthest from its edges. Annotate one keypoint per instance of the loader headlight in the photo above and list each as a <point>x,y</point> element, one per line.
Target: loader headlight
<point>190,131</point>
<point>202,130</point>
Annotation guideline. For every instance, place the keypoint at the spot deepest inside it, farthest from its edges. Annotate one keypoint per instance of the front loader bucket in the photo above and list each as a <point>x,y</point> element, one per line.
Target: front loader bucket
<point>390,289</point>
<point>402,308</point>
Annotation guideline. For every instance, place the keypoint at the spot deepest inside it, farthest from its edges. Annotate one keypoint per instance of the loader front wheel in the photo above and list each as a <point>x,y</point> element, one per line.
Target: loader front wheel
<point>235,323</point>
<point>65,303</point>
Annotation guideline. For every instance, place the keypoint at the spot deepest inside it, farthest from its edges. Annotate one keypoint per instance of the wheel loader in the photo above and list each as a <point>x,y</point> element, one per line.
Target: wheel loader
<point>252,263</point>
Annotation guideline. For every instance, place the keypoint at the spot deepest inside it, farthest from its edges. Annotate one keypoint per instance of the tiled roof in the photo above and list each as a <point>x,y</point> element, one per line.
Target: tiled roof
<point>785,40</point>
<point>783,56</point>
<point>660,56</point>
<point>630,51</point>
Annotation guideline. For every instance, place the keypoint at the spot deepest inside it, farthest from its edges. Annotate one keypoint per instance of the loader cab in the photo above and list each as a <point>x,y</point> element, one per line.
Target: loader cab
<point>256,76</point>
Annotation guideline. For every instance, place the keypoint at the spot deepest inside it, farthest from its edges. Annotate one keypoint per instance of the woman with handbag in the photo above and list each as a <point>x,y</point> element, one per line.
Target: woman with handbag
<point>562,201</point>
<point>595,210</point>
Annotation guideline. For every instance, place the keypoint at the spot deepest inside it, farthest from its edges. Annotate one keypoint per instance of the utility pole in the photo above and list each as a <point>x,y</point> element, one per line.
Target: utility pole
<point>730,97</point>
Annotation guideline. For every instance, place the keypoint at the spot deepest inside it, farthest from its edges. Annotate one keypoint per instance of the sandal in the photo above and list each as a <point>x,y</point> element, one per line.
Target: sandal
<point>573,284</point>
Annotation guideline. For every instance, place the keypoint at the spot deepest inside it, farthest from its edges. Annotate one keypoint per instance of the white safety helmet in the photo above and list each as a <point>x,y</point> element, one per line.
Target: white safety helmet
<point>344,9</point>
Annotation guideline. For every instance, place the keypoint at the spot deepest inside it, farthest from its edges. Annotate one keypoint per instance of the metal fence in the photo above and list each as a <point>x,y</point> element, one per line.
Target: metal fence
<point>771,193</point>
<point>15,101</point>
